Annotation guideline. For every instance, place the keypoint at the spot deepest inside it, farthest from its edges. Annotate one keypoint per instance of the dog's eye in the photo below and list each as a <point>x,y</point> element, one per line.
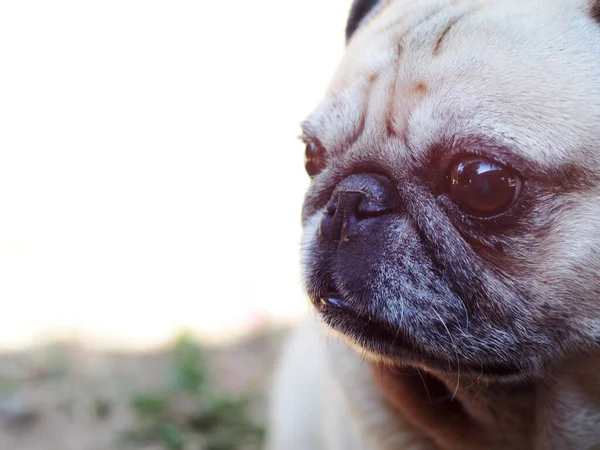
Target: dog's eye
<point>314,158</point>
<point>483,188</point>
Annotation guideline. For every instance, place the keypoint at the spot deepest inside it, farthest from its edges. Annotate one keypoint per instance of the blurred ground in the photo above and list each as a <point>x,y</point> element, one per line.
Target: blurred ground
<point>65,396</point>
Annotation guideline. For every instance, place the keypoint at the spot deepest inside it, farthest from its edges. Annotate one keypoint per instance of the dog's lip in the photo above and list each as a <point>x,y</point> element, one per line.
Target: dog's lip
<point>333,299</point>
<point>333,306</point>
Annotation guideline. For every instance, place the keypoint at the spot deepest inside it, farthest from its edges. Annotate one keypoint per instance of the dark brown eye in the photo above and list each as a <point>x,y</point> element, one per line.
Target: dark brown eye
<point>483,188</point>
<point>314,158</point>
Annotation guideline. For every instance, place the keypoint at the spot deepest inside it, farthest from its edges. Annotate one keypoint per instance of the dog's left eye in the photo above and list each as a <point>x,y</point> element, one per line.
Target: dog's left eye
<point>314,158</point>
<point>482,187</point>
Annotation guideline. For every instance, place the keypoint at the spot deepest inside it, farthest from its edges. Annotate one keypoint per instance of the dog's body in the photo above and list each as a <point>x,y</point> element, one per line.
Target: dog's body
<point>328,397</point>
<point>451,243</point>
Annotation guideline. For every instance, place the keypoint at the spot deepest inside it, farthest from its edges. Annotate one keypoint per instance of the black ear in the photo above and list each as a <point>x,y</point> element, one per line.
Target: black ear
<point>359,10</point>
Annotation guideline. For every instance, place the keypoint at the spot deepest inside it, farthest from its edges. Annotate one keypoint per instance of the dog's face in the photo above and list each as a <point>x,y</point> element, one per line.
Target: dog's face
<point>453,217</point>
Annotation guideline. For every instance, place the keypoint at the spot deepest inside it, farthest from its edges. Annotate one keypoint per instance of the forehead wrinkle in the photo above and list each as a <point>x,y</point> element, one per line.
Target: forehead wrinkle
<point>404,16</point>
<point>465,96</point>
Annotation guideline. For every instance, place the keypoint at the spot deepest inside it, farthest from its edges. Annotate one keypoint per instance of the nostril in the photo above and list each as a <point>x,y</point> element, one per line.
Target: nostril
<point>356,198</point>
<point>361,206</point>
<point>370,208</point>
<point>364,195</point>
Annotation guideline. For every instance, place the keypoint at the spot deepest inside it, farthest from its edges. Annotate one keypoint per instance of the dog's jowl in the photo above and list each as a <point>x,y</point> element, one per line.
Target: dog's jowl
<point>451,246</point>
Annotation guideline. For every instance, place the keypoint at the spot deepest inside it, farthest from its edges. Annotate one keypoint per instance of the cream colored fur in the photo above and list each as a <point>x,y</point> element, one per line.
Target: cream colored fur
<point>325,399</point>
<point>527,60</point>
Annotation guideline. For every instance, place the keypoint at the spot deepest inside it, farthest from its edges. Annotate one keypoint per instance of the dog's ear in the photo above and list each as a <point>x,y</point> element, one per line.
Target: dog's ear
<point>359,10</point>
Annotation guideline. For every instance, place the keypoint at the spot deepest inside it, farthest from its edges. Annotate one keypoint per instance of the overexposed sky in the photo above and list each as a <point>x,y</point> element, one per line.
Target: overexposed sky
<point>150,177</point>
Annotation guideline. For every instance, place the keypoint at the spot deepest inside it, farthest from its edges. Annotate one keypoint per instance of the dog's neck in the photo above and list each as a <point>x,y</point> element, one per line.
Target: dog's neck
<point>559,412</point>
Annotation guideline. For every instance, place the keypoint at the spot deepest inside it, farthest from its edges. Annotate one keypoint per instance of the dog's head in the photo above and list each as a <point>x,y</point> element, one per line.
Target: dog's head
<point>454,210</point>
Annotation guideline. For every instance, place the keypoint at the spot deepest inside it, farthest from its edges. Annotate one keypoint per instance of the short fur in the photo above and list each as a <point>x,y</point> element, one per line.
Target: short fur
<point>479,333</point>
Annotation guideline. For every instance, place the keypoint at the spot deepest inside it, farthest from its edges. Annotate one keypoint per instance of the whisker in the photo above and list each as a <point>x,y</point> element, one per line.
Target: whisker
<point>424,385</point>
<point>455,352</point>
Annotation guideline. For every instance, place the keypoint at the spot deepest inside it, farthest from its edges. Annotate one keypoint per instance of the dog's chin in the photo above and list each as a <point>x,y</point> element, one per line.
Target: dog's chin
<point>379,342</point>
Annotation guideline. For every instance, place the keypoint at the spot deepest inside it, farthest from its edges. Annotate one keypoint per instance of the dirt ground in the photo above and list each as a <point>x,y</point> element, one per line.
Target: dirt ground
<point>68,397</point>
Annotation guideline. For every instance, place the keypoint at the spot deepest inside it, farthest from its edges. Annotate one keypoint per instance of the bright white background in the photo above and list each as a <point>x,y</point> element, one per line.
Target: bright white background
<point>150,178</point>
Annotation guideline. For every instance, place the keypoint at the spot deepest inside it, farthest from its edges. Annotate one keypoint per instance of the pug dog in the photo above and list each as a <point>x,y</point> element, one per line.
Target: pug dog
<point>451,243</point>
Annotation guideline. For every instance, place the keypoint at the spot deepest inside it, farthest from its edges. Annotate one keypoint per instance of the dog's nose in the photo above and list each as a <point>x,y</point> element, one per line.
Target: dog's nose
<point>356,198</point>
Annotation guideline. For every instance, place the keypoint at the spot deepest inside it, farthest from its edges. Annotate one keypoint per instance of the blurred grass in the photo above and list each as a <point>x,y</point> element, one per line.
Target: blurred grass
<point>190,413</point>
<point>190,394</point>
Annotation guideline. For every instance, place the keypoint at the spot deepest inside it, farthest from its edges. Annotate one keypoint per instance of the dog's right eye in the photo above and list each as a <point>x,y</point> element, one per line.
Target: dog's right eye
<point>314,158</point>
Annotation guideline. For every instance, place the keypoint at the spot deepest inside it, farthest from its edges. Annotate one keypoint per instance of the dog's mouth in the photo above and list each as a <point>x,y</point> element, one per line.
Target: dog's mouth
<point>333,299</point>
<point>379,338</point>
